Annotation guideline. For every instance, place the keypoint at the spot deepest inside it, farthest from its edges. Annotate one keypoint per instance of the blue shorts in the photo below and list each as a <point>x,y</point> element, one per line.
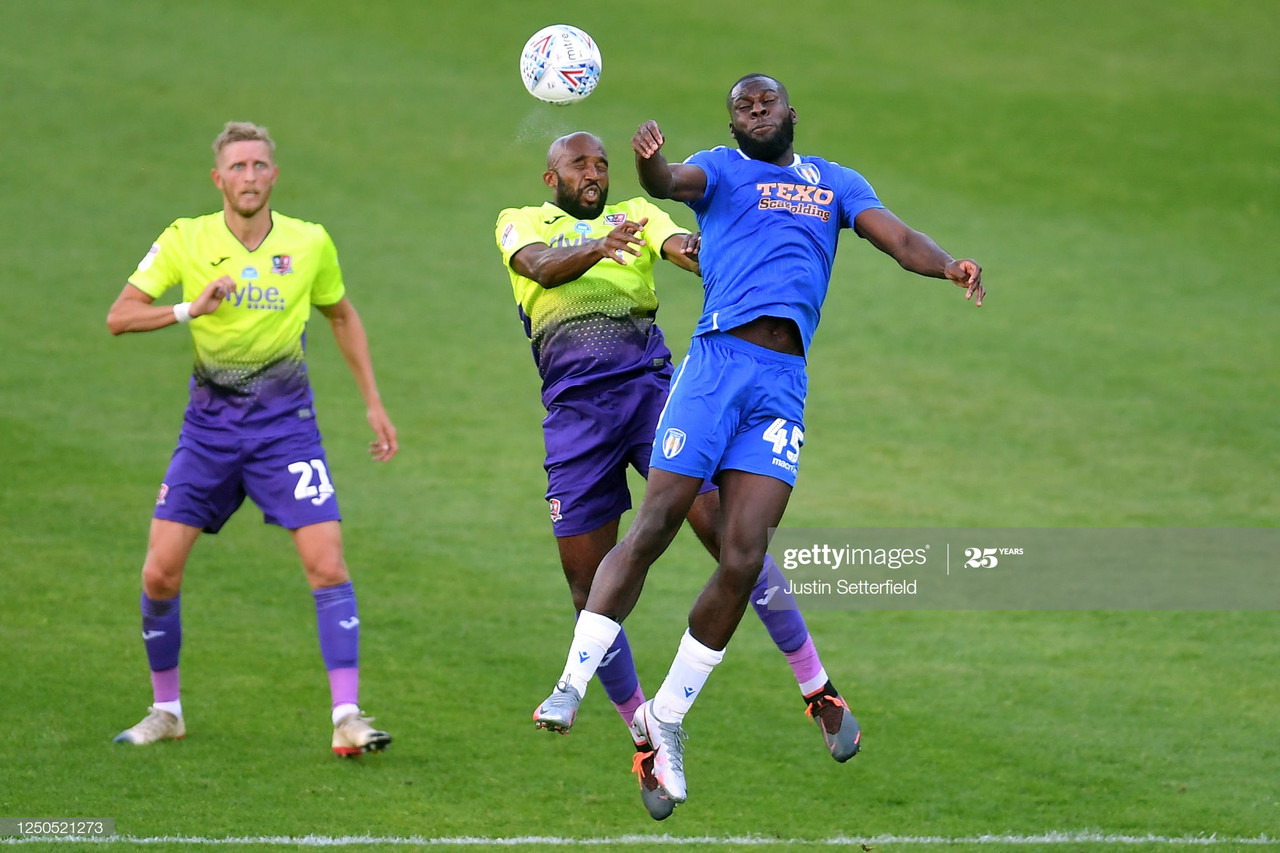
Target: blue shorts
<point>733,406</point>
<point>285,475</point>
<point>591,437</point>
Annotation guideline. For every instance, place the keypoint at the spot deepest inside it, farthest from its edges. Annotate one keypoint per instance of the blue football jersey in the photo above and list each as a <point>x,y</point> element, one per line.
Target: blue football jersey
<point>769,236</point>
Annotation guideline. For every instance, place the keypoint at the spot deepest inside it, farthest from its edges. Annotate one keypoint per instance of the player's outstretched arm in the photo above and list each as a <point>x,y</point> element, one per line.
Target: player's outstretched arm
<point>133,310</point>
<point>917,252</point>
<point>553,266</point>
<point>349,332</point>
<point>659,178</point>
<point>682,250</point>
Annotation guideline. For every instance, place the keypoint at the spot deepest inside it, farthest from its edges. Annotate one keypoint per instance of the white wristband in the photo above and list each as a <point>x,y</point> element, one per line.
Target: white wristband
<point>182,312</point>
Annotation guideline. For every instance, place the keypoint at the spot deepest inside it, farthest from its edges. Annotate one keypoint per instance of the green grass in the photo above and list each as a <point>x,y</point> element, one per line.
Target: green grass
<point>1112,165</point>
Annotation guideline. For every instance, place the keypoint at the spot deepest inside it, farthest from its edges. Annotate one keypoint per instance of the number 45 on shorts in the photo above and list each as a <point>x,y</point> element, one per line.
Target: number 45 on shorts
<point>776,434</point>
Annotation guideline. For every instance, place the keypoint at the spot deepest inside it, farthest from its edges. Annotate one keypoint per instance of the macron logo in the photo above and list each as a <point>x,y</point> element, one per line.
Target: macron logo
<point>151,635</point>
<point>350,623</point>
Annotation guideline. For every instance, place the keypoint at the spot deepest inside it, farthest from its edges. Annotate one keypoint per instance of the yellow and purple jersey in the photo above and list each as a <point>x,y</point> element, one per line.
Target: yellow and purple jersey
<point>601,325</point>
<point>249,374</point>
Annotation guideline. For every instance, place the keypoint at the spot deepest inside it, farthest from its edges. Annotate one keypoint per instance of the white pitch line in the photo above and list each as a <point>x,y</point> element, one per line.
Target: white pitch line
<point>673,840</point>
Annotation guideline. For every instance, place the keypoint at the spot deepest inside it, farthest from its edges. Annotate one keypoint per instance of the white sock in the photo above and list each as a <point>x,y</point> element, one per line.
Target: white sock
<point>592,637</point>
<point>340,711</point>
<point>174,707</point>
<point>684,681</point>
<point>814,684</point>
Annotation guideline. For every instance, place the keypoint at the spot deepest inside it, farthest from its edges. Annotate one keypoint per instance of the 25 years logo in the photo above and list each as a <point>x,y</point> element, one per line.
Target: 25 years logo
<point>988,558</point>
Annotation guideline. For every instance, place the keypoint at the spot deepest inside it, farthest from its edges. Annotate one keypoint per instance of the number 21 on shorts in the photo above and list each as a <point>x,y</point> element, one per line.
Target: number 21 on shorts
<point>776,434</point>
<point>306,471</point>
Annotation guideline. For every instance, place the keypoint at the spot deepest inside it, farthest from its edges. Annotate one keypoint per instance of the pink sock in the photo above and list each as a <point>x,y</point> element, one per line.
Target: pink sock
<point>164,685</point>
<point>807,667</point>
<point>627,709</point>
<point>344,685</point>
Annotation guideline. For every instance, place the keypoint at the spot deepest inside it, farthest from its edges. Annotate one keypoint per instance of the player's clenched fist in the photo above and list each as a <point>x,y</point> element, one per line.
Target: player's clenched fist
<point>212,296</point>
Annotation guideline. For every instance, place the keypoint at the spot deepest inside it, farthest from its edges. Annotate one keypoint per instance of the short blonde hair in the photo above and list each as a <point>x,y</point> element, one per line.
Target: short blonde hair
<point>243,131</point>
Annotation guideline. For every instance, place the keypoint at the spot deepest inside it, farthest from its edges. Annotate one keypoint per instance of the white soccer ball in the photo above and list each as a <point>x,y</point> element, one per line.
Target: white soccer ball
<point>560,64</point>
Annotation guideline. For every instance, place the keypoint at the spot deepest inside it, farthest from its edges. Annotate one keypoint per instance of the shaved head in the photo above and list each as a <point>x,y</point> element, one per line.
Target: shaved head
<point>561,146</point>
<point>578,172</point>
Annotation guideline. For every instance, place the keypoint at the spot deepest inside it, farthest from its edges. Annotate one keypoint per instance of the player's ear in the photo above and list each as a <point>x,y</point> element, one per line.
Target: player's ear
<point>217,179</point>
<point>550,178</point>
<point>795,119</point>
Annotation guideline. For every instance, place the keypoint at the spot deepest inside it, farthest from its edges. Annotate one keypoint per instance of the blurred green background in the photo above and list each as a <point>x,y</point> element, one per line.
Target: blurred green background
<point>1115,167</point>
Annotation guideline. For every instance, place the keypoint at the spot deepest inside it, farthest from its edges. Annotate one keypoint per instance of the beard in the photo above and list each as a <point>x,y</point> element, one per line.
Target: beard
<point>249,211</point>
<point>250,206</point>
<point>768,148</point>
<point>572,203</point>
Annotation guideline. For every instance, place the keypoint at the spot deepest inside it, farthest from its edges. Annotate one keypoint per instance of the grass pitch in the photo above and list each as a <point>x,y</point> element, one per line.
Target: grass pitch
<point>1112,165</point>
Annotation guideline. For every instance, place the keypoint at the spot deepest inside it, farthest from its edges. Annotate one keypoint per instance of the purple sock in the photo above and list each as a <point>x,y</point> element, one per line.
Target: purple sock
<point>339,640</point>
<point>785,626</point>
<point>162,636</point>
<point>618,675</point>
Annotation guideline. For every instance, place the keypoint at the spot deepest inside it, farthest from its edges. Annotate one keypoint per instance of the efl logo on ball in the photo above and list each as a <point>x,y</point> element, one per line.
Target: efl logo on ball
<point>560,64</point>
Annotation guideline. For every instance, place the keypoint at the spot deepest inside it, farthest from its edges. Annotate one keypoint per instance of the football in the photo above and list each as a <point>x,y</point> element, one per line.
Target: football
<point>560,64</point>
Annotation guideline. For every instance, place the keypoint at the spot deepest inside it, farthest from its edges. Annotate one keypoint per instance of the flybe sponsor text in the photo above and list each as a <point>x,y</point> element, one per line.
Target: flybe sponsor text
<point>256,298</point>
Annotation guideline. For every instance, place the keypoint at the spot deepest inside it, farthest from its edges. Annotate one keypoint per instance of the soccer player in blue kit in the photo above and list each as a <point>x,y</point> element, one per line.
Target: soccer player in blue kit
<point>770,221</point>
<point>582,273</point>
<point>249,277</point>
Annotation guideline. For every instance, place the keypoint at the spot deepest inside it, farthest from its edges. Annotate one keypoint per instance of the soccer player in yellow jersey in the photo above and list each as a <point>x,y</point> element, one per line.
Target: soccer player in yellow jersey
<point>249,277</point>
<point>582,272</point>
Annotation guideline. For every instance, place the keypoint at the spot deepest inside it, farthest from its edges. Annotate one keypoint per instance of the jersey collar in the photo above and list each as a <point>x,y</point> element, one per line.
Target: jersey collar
<point>796,161</point>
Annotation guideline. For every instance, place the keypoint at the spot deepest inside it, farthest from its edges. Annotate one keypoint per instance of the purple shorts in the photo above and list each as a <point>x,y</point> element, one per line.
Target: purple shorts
<point>590,441</point>
<point>285,475</point>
